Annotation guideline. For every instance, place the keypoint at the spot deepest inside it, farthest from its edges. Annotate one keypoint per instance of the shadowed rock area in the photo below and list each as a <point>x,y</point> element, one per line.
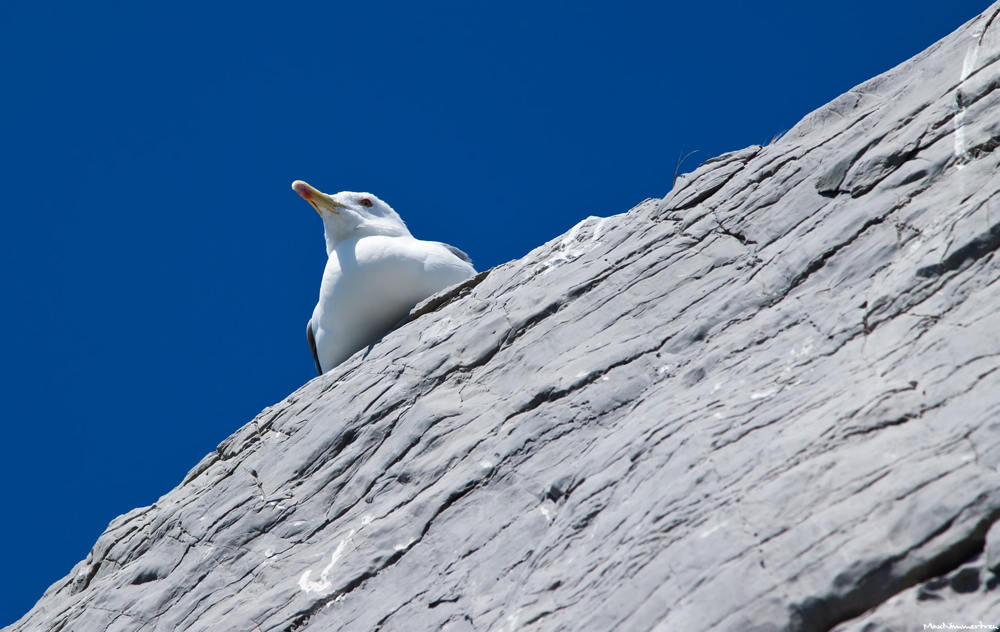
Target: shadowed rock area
<point>769,401</point>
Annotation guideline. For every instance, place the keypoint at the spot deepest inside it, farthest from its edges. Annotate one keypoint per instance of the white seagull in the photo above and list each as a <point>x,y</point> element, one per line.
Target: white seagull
<point>376,272</point>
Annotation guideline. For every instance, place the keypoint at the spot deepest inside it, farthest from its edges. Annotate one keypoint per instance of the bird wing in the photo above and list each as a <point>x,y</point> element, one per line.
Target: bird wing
<point>458,253</point>
<point>312,345</point>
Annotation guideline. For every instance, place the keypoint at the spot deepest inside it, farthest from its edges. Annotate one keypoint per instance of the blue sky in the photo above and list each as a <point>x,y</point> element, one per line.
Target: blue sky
<point>158,271</point>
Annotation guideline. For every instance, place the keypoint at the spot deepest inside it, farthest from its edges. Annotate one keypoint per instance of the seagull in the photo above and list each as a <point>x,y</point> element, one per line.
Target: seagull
<point>376,273</point>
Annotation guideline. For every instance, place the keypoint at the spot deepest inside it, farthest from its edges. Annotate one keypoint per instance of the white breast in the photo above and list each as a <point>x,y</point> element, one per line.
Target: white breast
<point>370,284</point>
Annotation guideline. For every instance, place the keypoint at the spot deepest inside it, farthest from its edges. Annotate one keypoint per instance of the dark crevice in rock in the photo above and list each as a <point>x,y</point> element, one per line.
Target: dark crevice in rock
<point>303,618</point>
<point>438,602</point>
<point>965,580</point>
<point>886,166</point>
<point>194,609</point>
<point>740,237</point>
<point>862,589</point>
<point>768,171</point>
<point>817,264</point>
<point>405,478</point>
<point>526,325</point>
<point>391,613</point>
<point>82,581</point>
<point>743,158</point>
<point>366,493</point>
<point>228,448</point>
<point>376,398</point>
<point>965,101</point>
<point>584,521</point>
<point>987,26</point>
<point>982,149</point>
<point>541,615</point>
<point>828,184</point>
<point>982,245</point>
<point>552,394</point>
<point>324,454</point>
<point>741,155</point>
<point>898,421</point>
<point>201,468</point>
<point>578,291</point>
<point>145,577</point>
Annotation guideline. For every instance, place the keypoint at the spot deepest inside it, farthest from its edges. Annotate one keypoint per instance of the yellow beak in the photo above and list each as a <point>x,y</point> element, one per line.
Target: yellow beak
<point>316,197</point>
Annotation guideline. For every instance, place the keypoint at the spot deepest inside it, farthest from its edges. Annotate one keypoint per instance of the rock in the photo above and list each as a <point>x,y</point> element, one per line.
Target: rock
<point>768,402</point>
<point>956,598</point>
<point>993,548</point>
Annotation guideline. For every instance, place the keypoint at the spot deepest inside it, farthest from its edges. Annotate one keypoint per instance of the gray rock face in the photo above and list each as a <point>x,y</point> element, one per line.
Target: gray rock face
<point>769,401</point>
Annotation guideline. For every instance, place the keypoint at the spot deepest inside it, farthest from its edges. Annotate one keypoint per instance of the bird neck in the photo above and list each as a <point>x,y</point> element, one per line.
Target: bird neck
<point>336,231</point>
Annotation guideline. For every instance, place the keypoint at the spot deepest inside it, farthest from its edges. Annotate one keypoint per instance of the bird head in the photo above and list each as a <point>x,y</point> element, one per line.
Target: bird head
<point>348,214</point>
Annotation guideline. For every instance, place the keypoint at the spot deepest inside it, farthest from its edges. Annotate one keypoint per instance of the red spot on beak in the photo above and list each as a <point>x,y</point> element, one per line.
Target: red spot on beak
<point>303,189</point>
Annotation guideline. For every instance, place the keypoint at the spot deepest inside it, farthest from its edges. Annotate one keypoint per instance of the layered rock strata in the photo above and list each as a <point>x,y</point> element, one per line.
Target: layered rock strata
<point>768,401</point>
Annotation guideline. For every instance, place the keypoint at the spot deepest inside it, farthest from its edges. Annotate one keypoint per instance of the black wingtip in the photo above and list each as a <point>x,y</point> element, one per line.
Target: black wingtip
<point>312,346</point>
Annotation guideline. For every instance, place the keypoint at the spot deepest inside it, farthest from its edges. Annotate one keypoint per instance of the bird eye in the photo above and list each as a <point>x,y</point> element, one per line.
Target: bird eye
<point>366,202</point>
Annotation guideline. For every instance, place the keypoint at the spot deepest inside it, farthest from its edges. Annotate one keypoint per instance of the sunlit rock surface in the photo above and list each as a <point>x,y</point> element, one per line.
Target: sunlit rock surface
<point>769,401</point>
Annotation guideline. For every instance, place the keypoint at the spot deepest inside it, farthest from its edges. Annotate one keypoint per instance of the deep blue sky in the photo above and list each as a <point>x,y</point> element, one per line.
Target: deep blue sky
<point>158,271</point>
